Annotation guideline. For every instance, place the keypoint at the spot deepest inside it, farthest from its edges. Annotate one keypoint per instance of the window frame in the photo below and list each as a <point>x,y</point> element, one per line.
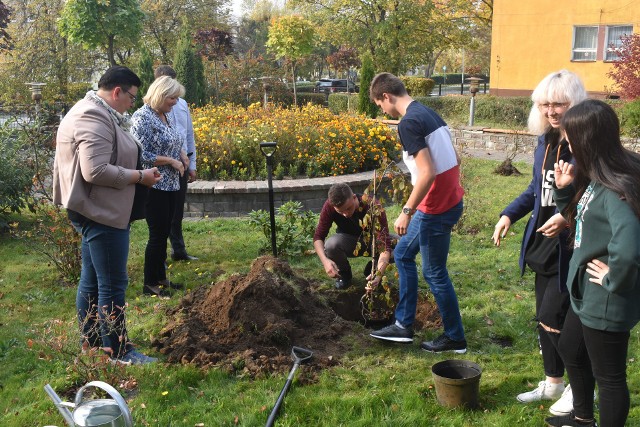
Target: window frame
<point>575,52</point>
<point>608,50</point>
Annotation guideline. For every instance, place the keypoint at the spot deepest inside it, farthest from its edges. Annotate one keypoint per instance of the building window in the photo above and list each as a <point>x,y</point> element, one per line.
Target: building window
<point>584,43</point>
<point>614,41</point>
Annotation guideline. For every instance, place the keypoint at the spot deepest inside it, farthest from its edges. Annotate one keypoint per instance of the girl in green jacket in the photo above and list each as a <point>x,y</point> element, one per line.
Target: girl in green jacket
<point>600,198</point>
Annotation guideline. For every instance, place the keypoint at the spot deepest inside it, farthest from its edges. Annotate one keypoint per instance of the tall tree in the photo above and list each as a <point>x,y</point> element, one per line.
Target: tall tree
<point>344,59</point>
<point>185,66</point>
<point>63,66</point>
<point>164,19</point>
<point>144,70</point>
<point>107,24</point>
<point>365,106</point>
<point>215,45</point>
<point>291,37</point>
<point>5,39</point>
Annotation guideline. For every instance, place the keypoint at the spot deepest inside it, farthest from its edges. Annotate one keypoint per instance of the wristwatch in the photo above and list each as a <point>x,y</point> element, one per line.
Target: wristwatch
<point>408,211</point>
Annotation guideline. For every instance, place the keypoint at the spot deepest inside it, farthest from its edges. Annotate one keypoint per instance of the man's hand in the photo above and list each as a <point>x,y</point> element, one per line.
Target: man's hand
<point>401,224</point>
<point>503,225</point>
<point>192,176</point>
<point>331,268</point>
<point>553,226</point>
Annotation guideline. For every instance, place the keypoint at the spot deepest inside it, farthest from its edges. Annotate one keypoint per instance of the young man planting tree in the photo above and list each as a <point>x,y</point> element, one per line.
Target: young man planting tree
<point>346,210</point>
<point>433,208</point>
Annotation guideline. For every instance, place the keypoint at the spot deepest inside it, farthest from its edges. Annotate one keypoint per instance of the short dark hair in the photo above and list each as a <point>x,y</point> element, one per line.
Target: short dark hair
<point>386,83</point>
<point>119,76</point>
<point>165,70</point>
<point>339,194</point>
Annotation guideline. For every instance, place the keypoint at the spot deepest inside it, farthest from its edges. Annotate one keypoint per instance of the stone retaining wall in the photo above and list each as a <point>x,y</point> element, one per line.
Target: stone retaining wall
<point>237,198</point>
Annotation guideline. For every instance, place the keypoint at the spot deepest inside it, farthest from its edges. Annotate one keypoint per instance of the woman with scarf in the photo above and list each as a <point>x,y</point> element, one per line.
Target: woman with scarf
<point>94,178</point>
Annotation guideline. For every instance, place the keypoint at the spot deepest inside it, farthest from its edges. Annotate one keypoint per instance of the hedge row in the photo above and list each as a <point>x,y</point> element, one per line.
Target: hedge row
<point>507,112</point>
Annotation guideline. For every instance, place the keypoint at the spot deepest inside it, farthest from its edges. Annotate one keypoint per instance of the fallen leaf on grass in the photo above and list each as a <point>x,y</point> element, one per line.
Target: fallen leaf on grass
<point>518,297</point>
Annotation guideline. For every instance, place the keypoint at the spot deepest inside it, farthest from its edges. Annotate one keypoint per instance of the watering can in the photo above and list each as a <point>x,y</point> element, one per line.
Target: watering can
<point>94,413</point>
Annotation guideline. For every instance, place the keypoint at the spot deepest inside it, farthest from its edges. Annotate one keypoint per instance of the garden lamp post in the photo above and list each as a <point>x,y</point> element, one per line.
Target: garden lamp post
<point>266,87</point>
<point>474,83</point>
<point>36,93</point>
<point>268,148</point>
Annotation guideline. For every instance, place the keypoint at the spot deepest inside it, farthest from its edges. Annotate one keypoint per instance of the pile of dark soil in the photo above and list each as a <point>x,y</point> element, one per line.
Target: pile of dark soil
<point>247,324</point>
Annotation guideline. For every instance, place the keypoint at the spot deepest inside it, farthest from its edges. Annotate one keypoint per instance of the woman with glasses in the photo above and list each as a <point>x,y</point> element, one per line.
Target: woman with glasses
<point>161,147</point>
<point>544,245</point>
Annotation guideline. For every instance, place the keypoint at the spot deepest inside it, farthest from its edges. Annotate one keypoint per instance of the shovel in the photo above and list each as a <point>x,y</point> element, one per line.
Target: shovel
<point>299,355</point>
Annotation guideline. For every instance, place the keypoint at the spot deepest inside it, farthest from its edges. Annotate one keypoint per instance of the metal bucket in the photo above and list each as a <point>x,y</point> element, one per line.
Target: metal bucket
<point>457,383</point>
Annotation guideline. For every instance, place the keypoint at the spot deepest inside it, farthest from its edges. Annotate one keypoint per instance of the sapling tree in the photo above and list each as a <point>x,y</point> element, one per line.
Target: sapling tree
<point>378,303</point>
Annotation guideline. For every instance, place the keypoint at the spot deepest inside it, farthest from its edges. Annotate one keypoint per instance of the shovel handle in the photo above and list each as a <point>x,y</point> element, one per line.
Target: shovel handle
<point>283,393</point>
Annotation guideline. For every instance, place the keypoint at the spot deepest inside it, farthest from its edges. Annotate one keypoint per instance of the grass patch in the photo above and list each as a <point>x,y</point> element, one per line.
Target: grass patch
<point>376,385</point>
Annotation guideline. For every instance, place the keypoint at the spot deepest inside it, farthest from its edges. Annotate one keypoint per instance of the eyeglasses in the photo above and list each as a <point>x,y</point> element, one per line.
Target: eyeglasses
<point>555,106</point>
<point>132,96</point>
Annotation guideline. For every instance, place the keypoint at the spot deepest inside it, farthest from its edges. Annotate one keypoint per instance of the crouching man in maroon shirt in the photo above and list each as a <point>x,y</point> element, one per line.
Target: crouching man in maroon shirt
<point>346,210</point>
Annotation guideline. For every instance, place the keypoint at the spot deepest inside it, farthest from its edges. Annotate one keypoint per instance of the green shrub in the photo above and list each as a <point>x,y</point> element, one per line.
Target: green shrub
<point>630,118</point>
<point>294,228</point>
<point>343,102</point>
<point>498,111</point>
<point>418,86</point>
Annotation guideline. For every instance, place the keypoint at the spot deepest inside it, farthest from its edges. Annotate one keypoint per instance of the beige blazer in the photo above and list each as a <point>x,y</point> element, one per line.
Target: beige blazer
<point>85,179</point>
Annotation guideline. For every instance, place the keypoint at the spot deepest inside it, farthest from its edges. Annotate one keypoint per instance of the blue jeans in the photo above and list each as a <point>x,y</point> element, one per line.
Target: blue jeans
<point>100,300</point>
<point>430,235</point>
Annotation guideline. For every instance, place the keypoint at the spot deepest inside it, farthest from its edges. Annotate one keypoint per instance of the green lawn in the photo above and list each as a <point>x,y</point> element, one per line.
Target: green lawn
<point>375,385</point>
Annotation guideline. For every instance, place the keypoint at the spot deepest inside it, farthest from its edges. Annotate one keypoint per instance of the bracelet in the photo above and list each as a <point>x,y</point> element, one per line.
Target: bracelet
<point>140,178</point>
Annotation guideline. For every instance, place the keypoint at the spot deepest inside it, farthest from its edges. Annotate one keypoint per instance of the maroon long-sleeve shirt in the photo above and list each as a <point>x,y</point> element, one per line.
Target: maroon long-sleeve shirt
<point>352,226</point>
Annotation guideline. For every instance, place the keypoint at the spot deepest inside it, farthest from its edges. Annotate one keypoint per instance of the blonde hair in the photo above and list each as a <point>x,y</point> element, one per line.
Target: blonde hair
<point>560,86</point>
<point>161,89</point>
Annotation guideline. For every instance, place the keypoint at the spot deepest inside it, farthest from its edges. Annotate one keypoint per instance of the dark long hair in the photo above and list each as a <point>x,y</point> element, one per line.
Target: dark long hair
<point>593,130</point>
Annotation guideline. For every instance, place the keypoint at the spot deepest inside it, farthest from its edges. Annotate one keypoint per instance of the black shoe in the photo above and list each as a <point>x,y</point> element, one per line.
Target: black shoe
<point>172,285</point>
<point>342,283</point>
<point>569,421</point>
<point>184,257</point>
<point>156,291</point>
<point>444,343</point>
<point>394,333</point>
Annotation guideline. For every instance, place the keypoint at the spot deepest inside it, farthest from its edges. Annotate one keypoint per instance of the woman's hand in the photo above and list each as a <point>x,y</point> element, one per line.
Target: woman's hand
<point>564,173</point>
<point>598,270</point>
<point>501,229</point>
<point>178,165</point>
<point>553,226</point>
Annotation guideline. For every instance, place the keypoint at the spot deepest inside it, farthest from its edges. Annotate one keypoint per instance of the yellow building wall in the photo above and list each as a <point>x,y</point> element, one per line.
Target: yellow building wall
<point>532,38</point>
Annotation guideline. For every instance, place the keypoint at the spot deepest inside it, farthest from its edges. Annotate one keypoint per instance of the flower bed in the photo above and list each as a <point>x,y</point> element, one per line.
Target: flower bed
<point>312,142</point>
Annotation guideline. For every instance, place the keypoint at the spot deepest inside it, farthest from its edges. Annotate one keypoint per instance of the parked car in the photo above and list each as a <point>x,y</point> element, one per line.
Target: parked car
<point>328,86</point>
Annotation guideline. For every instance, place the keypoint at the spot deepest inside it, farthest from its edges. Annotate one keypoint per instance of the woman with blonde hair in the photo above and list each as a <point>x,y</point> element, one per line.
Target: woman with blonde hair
<point>544,245</point>
<point>161,147</point>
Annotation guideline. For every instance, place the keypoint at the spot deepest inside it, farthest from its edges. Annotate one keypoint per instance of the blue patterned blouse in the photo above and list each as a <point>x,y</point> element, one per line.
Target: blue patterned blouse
<point>158,139</point>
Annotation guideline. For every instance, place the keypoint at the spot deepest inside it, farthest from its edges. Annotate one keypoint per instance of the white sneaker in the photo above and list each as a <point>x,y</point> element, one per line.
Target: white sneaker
<point>544,391</point>
<point>564,405</point>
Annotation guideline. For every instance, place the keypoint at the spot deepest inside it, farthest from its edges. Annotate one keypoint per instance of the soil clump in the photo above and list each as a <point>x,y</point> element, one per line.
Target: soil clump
<point>248,323</point>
